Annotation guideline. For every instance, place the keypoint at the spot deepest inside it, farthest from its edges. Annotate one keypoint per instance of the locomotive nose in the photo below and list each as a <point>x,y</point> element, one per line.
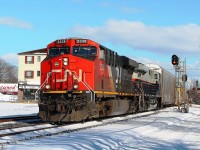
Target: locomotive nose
<point>62,76</point>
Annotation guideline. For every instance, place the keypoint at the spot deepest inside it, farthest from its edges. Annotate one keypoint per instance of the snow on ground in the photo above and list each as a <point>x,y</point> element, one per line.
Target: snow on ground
<point>168,129</point>
<point>17,109</point>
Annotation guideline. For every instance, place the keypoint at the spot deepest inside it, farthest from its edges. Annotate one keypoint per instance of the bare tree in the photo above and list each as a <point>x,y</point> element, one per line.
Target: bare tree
<point>8,72</point>
<point>194,84</point>
<point>2,69</point>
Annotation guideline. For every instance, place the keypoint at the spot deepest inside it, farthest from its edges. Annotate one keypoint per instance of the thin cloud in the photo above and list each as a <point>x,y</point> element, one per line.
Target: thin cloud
<point>11,58</point>
<point>106,4</point>
<point>121,7</point>
<point>193,70</point>
<point>13,22</point>
<point>127,9</point>
<point>138,36</point>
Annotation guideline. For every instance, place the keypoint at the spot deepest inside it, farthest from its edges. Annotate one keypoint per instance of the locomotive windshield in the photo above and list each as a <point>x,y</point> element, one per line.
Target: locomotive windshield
<point>55,51</point>
<point>85,51</point>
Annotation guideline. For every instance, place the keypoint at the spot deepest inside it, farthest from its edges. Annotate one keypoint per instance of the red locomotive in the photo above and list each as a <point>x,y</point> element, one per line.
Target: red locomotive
<point>81,79</point>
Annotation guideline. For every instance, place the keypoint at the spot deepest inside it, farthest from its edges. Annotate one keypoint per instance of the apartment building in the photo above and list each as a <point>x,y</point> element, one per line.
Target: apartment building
<point>29,72</point>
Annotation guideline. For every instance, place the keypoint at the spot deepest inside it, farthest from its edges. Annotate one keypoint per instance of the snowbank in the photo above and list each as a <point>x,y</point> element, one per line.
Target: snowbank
<point>17,109</point>
<point>8,98</point>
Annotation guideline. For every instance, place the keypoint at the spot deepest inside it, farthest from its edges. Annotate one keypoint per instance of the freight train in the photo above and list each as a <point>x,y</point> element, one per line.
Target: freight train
<point>82,79</point>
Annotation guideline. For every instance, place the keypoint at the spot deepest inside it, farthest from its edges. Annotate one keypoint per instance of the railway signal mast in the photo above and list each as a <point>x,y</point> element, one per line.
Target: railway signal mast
<point>181,78</point>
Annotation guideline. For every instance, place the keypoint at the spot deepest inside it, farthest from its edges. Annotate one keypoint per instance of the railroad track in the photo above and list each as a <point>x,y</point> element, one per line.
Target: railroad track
<point>21,130</point>
<point>45,130</point>
<point>19,122</point>
<point>17,118</point>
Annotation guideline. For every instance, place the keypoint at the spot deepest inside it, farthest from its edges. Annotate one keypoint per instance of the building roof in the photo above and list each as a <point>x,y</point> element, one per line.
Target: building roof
<point>38,51</point>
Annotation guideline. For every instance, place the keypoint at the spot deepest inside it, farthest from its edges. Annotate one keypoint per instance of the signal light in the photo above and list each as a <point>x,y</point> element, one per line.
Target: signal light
<point>175,60</point>
<point>184,78</point>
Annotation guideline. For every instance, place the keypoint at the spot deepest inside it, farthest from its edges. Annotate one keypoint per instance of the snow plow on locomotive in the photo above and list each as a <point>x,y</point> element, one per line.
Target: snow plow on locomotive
<point>81,79</point>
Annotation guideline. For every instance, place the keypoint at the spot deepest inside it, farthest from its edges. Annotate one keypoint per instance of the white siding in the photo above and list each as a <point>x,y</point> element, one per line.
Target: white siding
<point>22,67</point>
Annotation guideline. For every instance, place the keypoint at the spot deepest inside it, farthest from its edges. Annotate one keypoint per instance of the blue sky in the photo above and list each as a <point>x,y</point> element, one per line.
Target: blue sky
<point>149,31</point>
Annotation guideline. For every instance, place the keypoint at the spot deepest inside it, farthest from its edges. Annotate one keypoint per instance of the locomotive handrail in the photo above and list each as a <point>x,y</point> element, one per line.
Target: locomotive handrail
<point>92,92</point>
<point>87,86</point>
<point>141,97</point>
<point>48,75</point>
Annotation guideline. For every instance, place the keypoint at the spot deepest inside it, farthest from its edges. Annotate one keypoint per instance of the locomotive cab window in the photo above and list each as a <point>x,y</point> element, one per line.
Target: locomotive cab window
<point>88,52</point>
<point>55,51</point>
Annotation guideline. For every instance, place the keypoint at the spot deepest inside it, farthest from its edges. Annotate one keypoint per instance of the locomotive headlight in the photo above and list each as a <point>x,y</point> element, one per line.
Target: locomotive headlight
<point>65,61</point>
<point>75,86</point>
<point>47,86</point>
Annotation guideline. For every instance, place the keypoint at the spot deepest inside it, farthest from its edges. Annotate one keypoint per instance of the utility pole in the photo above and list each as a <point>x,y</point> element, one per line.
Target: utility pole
<point>185,108</point>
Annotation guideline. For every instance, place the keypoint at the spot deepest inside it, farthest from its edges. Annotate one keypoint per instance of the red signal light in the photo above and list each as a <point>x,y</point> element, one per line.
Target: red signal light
<point>174,63</point>
<point>175,60</point>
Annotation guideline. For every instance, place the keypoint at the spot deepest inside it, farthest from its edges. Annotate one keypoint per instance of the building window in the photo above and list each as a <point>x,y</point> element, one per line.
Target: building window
<point>39,58</point>
<point>29,59</point>
<point>38,73</point>
<point>28,74</point>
